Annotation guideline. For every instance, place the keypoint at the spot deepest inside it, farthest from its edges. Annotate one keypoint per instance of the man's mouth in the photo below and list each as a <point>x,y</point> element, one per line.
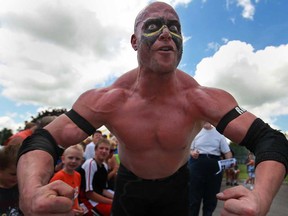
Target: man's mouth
<point>166,48</point>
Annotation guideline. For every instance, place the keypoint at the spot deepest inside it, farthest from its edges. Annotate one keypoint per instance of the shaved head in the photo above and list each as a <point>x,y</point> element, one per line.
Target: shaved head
<point>150,9</point>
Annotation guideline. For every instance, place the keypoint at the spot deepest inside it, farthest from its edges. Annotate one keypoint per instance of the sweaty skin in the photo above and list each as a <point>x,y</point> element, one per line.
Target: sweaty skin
<point>155,111</point>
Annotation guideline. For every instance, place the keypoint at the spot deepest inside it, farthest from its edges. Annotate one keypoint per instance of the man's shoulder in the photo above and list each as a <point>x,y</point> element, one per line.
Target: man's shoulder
<point>127,79</point>
<point>102,96</point>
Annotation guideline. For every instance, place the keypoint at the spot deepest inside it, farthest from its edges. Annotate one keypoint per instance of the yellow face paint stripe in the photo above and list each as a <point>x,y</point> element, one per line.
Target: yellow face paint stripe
<point>176,35</point>
<point>158,31</point>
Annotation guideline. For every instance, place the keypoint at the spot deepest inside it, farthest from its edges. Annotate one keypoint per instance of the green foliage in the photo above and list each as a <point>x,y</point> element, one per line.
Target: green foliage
<point>4,135</point>
<point>49,112</point>
<point>240,152</point>
<point>243,171</point>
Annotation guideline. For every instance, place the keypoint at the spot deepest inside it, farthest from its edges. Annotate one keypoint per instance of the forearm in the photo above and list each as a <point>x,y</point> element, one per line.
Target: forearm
<point>112,174</point>
<point>35,169</point>
<point>264,176</point>
<point>228,155</point>
<point>108,194</point>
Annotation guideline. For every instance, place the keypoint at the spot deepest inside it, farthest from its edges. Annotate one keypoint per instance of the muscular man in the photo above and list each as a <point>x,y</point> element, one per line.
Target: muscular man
<point>155,111</point>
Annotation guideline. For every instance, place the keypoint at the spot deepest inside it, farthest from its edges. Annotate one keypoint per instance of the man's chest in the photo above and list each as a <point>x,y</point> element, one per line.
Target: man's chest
<point>152,123</point>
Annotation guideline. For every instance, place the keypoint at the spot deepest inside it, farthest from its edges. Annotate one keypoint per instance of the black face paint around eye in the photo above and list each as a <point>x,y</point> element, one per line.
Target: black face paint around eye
<point>149,37</point>
<point>153,27</point>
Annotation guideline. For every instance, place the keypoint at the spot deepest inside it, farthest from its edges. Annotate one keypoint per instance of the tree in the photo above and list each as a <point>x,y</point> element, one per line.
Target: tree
<point>4,135</point>
<point>240,152</point>
<point>49,112</point>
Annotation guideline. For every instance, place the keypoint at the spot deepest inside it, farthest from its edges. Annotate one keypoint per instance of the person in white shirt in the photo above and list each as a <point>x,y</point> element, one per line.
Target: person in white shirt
<point>90,148</point>
<point>206,150</point>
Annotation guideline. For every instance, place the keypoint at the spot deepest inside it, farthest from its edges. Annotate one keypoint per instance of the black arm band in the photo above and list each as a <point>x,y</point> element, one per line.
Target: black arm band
<point>80,122</point>
<point>266,143</point>
<point>41,139</point>
<point>232,114</point>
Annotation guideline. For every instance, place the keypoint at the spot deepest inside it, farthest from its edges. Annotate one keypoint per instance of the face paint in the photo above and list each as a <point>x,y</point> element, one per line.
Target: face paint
<point>158,32</point>
<point>153,28</point>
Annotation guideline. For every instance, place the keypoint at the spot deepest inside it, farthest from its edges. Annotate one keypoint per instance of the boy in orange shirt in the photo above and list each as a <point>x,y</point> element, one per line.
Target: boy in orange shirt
<point>71,159</point>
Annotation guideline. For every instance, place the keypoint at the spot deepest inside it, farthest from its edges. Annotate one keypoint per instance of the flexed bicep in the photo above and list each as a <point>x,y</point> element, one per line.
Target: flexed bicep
<point>66,132</point>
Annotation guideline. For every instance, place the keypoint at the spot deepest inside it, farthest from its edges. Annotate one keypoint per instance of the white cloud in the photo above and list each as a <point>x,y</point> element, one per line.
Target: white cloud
<point>248,11</point>
<point>225,40</point>
<point>213,46</point>
<point>8,122</point>
<point>175,3</point>
<point>248,8</point>
<point>186,38</point>
<point>51,51</point>
<point>257,79</point>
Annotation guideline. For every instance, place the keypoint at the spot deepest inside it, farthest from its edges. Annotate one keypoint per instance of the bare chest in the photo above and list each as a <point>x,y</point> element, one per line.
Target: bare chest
<point>142,125</point>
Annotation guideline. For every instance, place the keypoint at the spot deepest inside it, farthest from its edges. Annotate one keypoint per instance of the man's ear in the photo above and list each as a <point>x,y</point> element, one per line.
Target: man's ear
<point>134,42</point>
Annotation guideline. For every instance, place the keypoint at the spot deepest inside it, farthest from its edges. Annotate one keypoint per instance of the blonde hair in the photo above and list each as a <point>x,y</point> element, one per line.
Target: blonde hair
<point>104,141</point>
<point>77,147</point>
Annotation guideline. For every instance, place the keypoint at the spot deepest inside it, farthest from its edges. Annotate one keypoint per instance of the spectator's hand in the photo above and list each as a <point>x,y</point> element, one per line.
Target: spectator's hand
<point>195,154</point>
<point>55,198</point>
<point>78,212</point>
<point>241,201</point>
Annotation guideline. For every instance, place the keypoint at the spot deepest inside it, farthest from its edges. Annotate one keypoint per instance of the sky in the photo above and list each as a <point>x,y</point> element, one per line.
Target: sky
<point>52,51</point>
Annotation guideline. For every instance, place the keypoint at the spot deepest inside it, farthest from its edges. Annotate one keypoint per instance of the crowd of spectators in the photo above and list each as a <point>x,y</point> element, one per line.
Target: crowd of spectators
<point>72,168</point>
<point>90,167</point>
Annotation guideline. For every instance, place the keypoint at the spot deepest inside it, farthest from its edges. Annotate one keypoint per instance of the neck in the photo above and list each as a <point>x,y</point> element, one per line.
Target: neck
<point>150,84</point>
<point>99,162</point>
<point>208,127</point>
<point>68,171</point>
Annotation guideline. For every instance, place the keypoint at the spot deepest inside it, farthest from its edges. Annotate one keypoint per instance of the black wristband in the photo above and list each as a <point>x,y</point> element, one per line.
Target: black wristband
<point>41,139</point>
<point>228,117</point>
<point>266,143</point>
<point>81,122</point>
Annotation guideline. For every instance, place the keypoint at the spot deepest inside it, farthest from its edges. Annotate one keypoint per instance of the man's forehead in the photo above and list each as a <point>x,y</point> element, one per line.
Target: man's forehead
<point>156,11</point>
<point>164,14</point>
<point>162,19</point>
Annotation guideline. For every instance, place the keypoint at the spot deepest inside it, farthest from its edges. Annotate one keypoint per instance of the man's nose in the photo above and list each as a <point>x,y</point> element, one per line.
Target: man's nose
<point>165,34</point>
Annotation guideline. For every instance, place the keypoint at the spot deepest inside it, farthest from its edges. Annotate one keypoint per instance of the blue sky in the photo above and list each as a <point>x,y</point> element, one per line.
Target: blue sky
<point>52,51</point>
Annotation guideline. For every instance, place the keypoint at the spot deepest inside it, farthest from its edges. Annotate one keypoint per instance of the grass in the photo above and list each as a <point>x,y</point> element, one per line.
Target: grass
<point>243,171</point>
